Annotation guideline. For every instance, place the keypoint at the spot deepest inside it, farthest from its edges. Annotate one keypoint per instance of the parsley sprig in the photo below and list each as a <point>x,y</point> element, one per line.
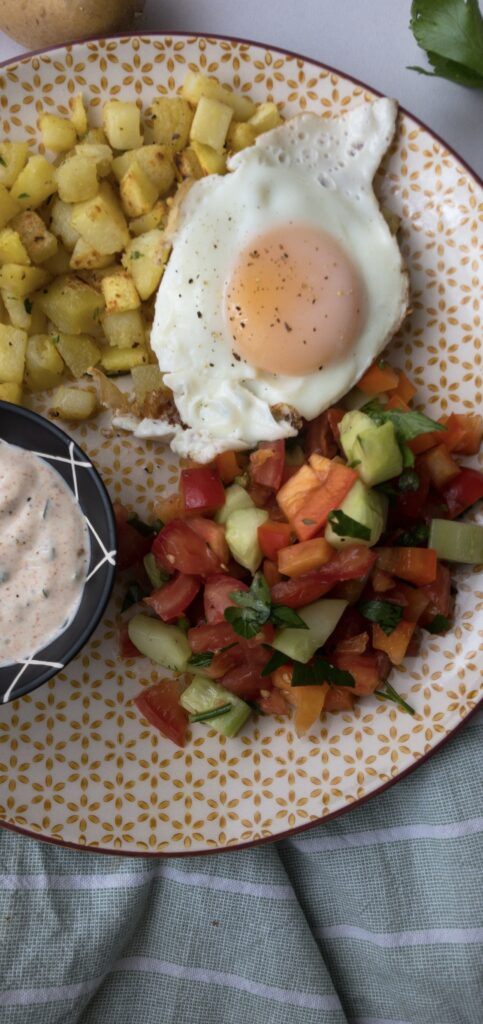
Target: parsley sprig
<point>345,526</point>
<point>407,425</point>
<point>451,33</point>
<point>386,614</point>
<point>253,609</point>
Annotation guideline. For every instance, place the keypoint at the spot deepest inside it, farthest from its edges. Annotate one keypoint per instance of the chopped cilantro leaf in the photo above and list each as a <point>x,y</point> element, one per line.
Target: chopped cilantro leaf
<point>386,614</point>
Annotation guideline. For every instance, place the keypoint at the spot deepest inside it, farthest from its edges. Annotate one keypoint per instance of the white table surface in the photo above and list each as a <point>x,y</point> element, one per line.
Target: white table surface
<point>369,39</point>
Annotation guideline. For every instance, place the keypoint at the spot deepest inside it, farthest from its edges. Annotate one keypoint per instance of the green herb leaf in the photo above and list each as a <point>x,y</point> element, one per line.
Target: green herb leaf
<point>24,195</point>
<point>345,526</point>
<point>254,609</point>
<point>318,672</point>
<point>133,595</point>
<point>391,694</point>
<point>409,480</point>
<point>202,660</point>
<point>146,529</point>
<point>282,616</point>
<point>415,537</point>
<point>440,624</point>
<point>27,305</point>
<point>247,622</point>
<point>135,255</point>
<point>407,425</point>
<point>204,716</point>
<point>255,707</point>
<point>258,596</point>
<point>386,614</point>
<point>451,33</point>
<point>276,661</point>
<point>408,458</point>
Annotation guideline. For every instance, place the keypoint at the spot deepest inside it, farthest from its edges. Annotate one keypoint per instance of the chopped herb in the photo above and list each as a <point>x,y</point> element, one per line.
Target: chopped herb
<point>27,305</point>
<point>24,195</point>
<point>183,623</point>
<point>308,522</point>
<point>133,595</point>
<point>3,162</point>
<point>408,459</point>
<point>391,694</point>
<point>276,661</point>
<point>146,529</point>
<point>155,575</point>
<point>345,526</point>
<point>213,713</point>
<point>255,707</point>
<point>409,480</point>
<point>386,614</point>
<point>135,255</point>
<point>415,537</point>
<point>440,624</point>
<point>282,616</point>
<point>407,425</point>
<point>451,33</point>
<point>253,609</point>
<point>202,660</point>
<point>382,364</point>
<point>354,464</point>
<point>319,672</point>
<point>388,489</point>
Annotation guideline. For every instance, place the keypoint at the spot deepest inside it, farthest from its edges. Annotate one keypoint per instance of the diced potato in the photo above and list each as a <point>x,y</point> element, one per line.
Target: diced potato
<point>240,135</point>
<point>124,330</point>
<point>121,360</point>
<point>19,311</point>
<point>211,162</point>
<point>154,219</point>
<point>43,365</point>
<point>77,179</point>
<point>188,164</point>
<point>153,160</point>
<point>145,379</point>
<point>39,242</point>
<point>266,117</point>
<point>3,311</point>
<point>73,306</point>
<point>74,403</point>
<point>38,319</point>
<point>78,114</point>
<point>99,152</point>
<point>122,124</point>
<point>20,281</point>
<point>35,183</point>
<point>13,345</point>
<point>59,263</point>
<point>119,293</point>
<point>61,223</point>
<point>11,393</point>
<point>8,206</point>
<point>210,123</point>
<point>101,222</point>
<point>95,276</point>
<point>78,351</point>
<point>138,194</point>
<point>58,134</point>
<point>171,119</point>
<point>145,259</point>
<point>197,85</point>
<point>95,136</point>
<point>84,257</point>
<point>13,157</point>
<point>12,249</point>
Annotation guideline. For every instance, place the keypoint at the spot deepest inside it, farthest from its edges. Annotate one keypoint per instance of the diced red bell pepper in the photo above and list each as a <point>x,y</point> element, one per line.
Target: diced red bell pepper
<point>202,490</point>
<point>217,595</point>
<point>160,705</point>
<point>364,669</point>
<point>298,559</point>
<point>463,491</point>
<point>272,536</point>
<point>126,646</point>
<point>172,599</point>
<point>132,546</point>
<point>267,464</point>
<point>416,565</point>
<point>395,644</point>
<point>353,562</point>
<point>442,468</point>
<point>378,379</point>
<point>227,466</point>
<point>178,547</point>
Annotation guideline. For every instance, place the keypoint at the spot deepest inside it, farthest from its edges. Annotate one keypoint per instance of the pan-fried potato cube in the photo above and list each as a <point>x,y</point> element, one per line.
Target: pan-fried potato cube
<point>119,293</point>
<point>8,206</point>
<point>101,222</point>
<point>13,345</point>
<point>121,360</point>
<point>12,249</point>
<point>145,379</point>
<point>266,117</point>
<point>97,274</point>
<point>240,135</point>
<point>74,404</point>
<point>84,257</point>
<point>58,134</point>
<point>145,260</point>
<point>153,160</point>
<point>211,162</point>
<point>19,312</point>
<point>35,183</point>
<point>78,114</point>
<point>78,351</point>
<point>73,306</point>
<point>154,219</point>
<point>171,122</point>
<point>99,152</point>
<point>138,194</point>
<point>197,85</point>
<point>188,164</point>
<point>39,242</point>
<point>61,223</point>
<point>122,124</point>
<point>59,263</point>
<point>95,136</point>
<point>11,393</point>
<point>210,123</point>
<point>77,179</point>
<point>124,330</point>
<point>43,365</point>
<point>20,281</point>
<point>13,157</point>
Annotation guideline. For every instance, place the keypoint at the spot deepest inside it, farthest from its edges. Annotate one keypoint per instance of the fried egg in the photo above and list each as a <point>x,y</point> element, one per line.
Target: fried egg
<point>283,284</point>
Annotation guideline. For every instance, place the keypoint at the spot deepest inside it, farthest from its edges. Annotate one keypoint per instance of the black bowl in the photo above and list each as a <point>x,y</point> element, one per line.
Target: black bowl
<point>28,430</point>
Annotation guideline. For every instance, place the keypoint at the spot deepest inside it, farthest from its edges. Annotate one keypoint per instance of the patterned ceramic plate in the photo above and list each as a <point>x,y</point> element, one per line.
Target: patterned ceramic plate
<point>76,763</point>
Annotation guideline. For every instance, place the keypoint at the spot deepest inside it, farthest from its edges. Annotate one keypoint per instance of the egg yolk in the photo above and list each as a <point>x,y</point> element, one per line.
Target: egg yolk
<point>295,302</point>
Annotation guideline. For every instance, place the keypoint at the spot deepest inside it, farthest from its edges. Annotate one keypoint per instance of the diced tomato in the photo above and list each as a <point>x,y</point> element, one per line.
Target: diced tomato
<point>217,596</point>
<point>244,681</point>
<point>227,466</point>
<point>409,503</point>
<point>289,472</point>
<point>364,669</point>
<point>442,468</point>
<point>416,565</point>
<point>202,490</point>
<point>272,702</point>
<point>169,508</point>
<point>172,599</point>
<point>394,644</point>
<point>180,548</point>
<point>267,464</point>
<point>339,698</point>
<point>298,559</point>
<point>214,535</point>
<point>405,388</point>
<point>131,545</point>
<point>463,491</point>
<point>273,536</point>
<point>378,379</point>
<point>259,494</point>
<point>438,594</point>
<point>351,563</point>
<point>211,637</point>
<point>224,661</point>
<point>322,433</point>
<point>353,645</point>
<point>126,646</point>
<point>271,573</point>
<point>160,705</point>
<point>469,427</point>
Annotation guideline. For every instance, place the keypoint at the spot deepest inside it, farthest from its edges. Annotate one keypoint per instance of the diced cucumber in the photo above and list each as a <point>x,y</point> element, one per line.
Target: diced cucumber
<point>166,645</point>
<point>367,507</point>
<point>236,497</point>
<point>154,574</point>
<point>204,695</point>
<point>456,542</point>
<point>242,536</point>
<point>321,617</point>
<point>374,450</point>
<point>353,423</point>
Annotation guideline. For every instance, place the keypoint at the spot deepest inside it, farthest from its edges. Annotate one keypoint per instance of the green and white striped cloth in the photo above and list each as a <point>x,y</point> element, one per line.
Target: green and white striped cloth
<point>375,918</point>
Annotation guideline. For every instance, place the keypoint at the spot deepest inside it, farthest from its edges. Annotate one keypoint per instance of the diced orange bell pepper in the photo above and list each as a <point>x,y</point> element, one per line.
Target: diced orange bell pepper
<point>405,388</point>
<point>465,433</point>
<point>227,466</point>
<point>441,466</point>
<point>315,491</point>
<point>339,698</point>
<point>416,565</point>
<point>307,701</point>
<point>271,573</point>
<point>294,493</point>
<point>272,536</point>
<point>416,602</point>
<point>297,559</point>
<point>396,643</point>
<point>396,401</point>
<point>378,379</point>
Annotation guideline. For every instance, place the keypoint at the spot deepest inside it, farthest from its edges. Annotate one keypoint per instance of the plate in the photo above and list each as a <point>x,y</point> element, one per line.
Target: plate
<point>77,765</point>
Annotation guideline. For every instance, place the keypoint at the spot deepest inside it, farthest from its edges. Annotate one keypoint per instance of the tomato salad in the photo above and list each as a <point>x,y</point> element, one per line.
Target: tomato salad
<point>290,580</point>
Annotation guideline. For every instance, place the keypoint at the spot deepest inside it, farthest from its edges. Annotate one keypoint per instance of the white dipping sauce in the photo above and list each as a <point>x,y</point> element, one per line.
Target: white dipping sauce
<point>44,554</point>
